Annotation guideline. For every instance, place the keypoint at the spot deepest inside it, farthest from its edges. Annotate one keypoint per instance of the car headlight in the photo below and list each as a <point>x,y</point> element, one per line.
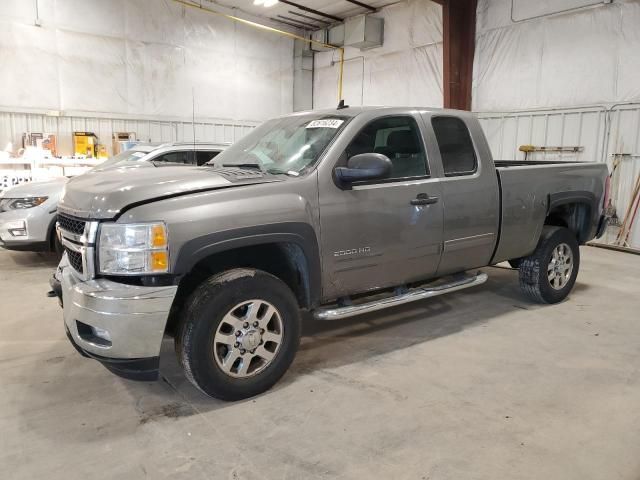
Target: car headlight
<point>7,204</point>
<point>133,248</point>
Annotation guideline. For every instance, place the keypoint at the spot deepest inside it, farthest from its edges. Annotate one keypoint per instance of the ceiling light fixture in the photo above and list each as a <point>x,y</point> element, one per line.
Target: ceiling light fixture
<point>265,3</point>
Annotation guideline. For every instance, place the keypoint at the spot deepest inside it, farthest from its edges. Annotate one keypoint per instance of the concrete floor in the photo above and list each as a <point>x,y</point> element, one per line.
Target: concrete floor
<point>480,384</point>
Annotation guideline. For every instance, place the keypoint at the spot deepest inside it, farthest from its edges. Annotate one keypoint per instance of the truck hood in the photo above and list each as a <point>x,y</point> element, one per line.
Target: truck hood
<point>44,188</point>
<point>103,195</point>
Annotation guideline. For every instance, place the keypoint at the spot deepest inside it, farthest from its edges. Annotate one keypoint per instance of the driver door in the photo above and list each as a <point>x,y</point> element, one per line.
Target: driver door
<point>382,233</point>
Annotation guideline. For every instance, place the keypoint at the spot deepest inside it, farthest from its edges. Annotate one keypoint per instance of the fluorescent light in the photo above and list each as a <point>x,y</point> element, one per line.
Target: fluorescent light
<point>258,2</point>
<point>270,3</point>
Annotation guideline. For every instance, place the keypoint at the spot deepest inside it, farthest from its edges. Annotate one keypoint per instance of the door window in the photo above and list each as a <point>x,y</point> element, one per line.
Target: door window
<point>184,157</point>
<point>203,156</point>
<point>399,139</point>
<point>456,147</point>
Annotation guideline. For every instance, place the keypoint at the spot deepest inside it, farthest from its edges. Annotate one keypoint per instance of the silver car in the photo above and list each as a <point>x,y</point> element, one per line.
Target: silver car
<point>28,216</point>
<point>28,211</point>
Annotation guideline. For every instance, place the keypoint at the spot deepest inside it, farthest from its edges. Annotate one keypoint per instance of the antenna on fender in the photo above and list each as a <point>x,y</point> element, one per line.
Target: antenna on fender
<point>341,105</point>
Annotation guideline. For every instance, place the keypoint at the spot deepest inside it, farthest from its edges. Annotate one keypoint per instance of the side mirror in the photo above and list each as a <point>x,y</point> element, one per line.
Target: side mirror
<point>365,166</point>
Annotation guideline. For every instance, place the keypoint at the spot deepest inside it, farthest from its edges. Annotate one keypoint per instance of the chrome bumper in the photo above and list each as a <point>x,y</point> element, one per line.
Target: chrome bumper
<point>133,317</point>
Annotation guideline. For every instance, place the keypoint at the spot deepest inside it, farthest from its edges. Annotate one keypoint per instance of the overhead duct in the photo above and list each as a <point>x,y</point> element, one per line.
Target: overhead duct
<point>319,38</point>
<point>363,32</point>
<point>336,35</point>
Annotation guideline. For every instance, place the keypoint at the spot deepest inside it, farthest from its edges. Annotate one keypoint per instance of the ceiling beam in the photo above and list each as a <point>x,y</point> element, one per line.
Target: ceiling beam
<point>310,10</point>
<point>284,22</point>
<point>299,22</point>
<point>363,5</point>
<point>309,17</point>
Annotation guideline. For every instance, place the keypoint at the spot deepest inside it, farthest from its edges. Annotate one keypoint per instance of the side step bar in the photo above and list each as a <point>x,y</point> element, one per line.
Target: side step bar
<point>419,293</point>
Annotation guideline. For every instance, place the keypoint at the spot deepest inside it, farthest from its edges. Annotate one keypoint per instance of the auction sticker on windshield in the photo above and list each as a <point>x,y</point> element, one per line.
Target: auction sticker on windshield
<point>325,123</point>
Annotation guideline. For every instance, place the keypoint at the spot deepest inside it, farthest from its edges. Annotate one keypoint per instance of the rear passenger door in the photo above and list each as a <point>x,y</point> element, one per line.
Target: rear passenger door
<point>470,194</point>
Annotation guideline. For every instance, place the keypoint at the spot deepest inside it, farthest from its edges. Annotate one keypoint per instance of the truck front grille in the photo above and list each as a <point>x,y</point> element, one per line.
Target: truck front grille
<point>75,260</point>
<point>71,224</point>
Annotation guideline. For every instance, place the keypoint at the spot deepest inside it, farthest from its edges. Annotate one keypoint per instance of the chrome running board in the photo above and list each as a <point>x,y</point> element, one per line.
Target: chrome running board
<point>418,293</point>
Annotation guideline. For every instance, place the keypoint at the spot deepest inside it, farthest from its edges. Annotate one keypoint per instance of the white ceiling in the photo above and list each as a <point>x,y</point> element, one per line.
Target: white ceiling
<point>336,8</point>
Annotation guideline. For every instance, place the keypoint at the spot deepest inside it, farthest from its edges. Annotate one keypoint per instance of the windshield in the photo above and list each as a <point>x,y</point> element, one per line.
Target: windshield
<point>121,159</point>
<point>283,145</point>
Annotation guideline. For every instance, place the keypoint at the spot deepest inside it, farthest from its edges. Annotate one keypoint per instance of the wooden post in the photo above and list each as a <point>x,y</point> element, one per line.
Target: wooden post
<point>459,30</point>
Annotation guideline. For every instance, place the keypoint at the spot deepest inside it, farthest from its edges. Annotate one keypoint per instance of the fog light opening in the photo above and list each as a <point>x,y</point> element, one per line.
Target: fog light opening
<point>95,335</point>
<point>17,229</point>
<point>18,232</point>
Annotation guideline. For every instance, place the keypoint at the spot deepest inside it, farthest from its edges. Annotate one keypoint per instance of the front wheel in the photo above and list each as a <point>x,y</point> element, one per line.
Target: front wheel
<point>56,245</point>
<point>239,335</point>
<point>549,273</point>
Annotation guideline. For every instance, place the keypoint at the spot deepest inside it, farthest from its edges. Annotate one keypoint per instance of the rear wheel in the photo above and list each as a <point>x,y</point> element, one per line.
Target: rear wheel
<point>240,334</point>
<point>548,275</point>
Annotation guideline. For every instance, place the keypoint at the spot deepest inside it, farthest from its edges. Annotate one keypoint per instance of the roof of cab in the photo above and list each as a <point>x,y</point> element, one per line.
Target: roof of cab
<point>151,146</point>
<point>356,110</point>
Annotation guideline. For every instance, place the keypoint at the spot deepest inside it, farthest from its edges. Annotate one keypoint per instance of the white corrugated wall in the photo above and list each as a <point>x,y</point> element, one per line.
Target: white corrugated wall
<point>563,73</point>
<point>145,65</point>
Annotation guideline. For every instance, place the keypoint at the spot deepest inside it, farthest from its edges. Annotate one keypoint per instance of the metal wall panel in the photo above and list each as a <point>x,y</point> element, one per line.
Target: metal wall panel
<point>14,124</point>
<point>584,127</point>
<point>605,133</point>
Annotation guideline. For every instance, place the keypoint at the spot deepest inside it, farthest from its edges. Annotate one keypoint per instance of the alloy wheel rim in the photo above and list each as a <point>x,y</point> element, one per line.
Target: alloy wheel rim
<point>560,266</point>
<point>248,338</point>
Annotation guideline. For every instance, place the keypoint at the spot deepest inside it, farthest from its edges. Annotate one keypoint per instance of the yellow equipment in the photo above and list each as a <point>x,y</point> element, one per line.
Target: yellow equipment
<point>85,143</point>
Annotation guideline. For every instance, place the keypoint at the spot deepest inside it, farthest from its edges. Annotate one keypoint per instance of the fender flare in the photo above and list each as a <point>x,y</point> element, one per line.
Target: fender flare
<point>578,196</point>
<point>581,197</point>
<point>298,233</point>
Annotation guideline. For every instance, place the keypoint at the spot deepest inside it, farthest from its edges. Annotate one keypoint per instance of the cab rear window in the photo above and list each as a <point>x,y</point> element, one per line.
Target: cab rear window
<point>456,148</point>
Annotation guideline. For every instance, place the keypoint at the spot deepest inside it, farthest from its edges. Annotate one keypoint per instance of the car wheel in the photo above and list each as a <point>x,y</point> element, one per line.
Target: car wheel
<point>549,273</point>
<point>56,245</point>
<point>239,334</point>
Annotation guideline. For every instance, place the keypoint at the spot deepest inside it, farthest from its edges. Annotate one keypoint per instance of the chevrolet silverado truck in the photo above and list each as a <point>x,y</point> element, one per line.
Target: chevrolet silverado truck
<point>334,212</point>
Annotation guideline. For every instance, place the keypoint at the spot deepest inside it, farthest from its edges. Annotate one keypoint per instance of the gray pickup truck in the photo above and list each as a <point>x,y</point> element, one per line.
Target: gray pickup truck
<point>334,212</point>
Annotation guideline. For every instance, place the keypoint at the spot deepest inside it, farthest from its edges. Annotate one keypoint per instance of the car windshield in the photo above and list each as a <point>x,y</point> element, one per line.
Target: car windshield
<point>121,159</point>
<point>283,145</point>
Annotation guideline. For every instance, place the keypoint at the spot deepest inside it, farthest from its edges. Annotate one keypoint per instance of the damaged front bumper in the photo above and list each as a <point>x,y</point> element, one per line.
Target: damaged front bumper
<point>117,324</point>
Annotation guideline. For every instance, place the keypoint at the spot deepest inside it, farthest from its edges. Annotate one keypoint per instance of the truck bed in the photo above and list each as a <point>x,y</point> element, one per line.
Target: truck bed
<point>529,189</point>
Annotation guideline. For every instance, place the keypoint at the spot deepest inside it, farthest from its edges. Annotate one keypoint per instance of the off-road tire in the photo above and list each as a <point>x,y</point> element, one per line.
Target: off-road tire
<point>203,312</point>
<point>534,281</point>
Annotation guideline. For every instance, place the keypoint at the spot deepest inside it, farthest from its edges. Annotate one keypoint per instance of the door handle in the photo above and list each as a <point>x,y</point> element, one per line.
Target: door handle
<point>424,199</point>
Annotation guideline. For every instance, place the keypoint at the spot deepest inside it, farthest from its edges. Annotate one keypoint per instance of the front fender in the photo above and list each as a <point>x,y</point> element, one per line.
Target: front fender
<point>297,233</point>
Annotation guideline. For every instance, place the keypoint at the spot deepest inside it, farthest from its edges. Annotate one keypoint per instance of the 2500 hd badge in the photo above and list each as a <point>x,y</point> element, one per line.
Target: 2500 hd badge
<point>353,251</point>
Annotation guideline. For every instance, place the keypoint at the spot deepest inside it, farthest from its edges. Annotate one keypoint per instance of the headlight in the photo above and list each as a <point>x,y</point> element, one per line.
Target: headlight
<point>19,203</point>
<point>133,248</point>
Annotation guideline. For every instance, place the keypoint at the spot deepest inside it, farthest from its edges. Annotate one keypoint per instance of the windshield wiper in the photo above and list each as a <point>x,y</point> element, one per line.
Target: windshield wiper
<point>255,166</point>
<point>277,171</point>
